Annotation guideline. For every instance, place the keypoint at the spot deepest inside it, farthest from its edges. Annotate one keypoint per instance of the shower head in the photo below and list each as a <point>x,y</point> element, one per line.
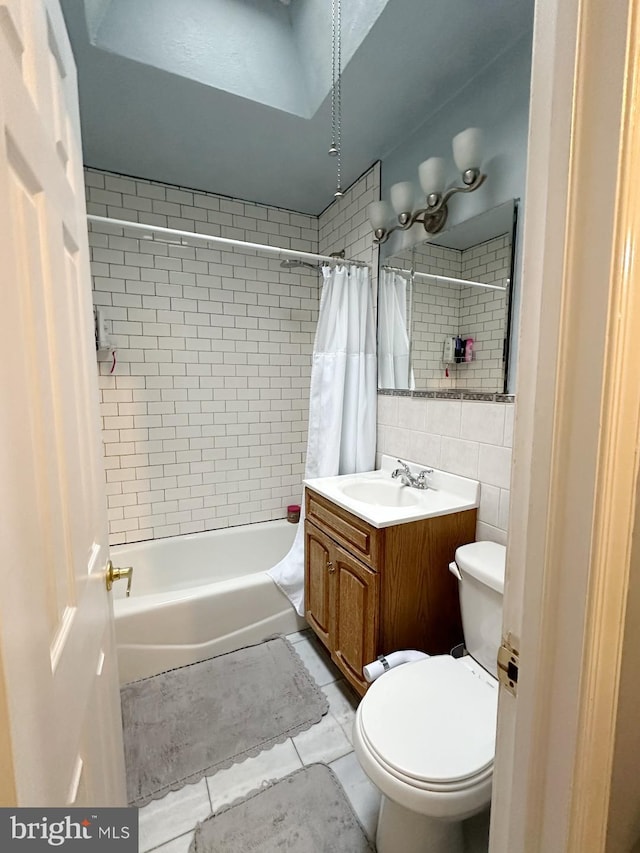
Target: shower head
<point>293,263</point>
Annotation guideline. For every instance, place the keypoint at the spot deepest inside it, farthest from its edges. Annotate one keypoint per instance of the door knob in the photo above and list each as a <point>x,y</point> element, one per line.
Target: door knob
<point>114,574</point>
<point>331,567</point>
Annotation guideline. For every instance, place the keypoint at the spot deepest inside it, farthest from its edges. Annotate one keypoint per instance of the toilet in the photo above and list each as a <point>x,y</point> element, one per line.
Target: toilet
<point>424,732</point>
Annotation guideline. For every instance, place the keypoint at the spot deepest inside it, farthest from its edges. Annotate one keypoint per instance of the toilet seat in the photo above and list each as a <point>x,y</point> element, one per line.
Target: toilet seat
<point>431,724</point>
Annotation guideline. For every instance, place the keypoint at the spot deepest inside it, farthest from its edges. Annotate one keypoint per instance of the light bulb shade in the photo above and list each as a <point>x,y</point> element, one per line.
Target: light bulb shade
<point>467,149</point>
<point>379,214</point>
<point>402,197</point>
<point>432,175</point>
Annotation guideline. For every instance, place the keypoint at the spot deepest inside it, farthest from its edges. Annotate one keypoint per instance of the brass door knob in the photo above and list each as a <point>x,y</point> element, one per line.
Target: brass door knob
<point>115,574</point>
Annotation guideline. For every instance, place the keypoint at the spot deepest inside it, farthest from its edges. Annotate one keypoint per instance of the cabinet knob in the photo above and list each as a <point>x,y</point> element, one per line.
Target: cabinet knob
<point>331,567</point>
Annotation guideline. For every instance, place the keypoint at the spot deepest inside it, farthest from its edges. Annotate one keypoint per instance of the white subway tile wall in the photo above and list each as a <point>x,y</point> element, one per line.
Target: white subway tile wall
<point>205,415</point>
<point>441,310</point>
<point>466,437</point>
<point>435,315</point>
<point>344,225</point>
<point>483,313</point>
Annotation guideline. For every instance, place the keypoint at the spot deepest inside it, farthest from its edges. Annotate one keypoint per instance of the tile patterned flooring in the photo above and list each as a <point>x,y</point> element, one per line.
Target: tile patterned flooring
<point>167,825</point>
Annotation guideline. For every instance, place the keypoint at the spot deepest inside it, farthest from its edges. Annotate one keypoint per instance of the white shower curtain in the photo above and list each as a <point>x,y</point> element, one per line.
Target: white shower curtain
<point>393,340</point>
<point>342,400</point>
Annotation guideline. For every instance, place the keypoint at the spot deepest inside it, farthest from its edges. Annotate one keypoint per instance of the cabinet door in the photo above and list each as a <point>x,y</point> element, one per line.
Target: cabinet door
<point>318,576</point>
<point>354,624</point>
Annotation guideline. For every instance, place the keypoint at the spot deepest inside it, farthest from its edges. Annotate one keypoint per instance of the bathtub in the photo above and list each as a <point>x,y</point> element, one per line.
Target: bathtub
<point>200,595</point>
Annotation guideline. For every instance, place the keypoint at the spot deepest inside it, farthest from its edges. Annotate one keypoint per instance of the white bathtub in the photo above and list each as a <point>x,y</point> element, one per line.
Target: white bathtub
<point>200,595</point>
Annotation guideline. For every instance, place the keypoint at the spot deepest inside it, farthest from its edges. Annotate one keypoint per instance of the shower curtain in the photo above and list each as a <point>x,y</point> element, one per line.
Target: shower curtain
<point>342,400</point>
<point>393,340</point>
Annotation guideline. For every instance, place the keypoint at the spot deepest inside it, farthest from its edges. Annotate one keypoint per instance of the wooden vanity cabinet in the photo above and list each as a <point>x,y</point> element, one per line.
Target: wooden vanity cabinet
<point>341,602</point>
<point>371,591</point>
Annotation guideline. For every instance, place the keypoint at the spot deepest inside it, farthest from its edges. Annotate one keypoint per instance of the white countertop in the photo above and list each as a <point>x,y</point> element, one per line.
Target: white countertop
<point>394,503</point>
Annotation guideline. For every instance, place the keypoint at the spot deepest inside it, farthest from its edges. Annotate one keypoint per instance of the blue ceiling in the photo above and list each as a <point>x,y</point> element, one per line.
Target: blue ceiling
<point>233,96</point>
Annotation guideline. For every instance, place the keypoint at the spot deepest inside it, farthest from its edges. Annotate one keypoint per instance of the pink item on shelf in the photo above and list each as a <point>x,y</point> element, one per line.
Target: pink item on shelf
<point>468,349</point>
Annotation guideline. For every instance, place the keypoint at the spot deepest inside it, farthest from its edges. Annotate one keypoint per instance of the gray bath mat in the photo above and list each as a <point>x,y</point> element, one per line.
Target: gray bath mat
<point>306,812</point>
<point>192,721</point>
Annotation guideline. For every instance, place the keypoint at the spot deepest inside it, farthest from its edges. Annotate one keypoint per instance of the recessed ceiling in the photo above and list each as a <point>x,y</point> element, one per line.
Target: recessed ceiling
<point>233,96</point>
<point>256,49</point>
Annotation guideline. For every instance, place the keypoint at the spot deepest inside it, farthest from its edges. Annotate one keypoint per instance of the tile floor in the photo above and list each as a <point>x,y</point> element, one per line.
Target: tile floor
<point>167,825</point>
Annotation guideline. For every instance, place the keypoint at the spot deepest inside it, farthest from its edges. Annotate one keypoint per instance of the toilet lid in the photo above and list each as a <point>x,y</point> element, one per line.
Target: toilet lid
<point>433,720</point>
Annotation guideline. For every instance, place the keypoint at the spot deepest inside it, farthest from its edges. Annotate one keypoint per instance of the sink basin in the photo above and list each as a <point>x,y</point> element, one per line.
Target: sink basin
<point>375,497</point>
<point>380,493</point>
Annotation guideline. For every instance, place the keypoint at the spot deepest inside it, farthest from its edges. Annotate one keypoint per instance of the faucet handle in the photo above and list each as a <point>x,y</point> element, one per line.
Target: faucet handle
<point>421,479</point>
<point>403,470</point>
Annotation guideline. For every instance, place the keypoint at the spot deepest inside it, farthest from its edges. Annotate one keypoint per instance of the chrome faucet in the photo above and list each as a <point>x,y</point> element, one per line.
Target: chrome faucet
<point>409,479</point>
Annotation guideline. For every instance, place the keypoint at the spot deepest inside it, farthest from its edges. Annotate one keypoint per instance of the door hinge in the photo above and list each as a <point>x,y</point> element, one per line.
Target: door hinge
<point>509,664</point>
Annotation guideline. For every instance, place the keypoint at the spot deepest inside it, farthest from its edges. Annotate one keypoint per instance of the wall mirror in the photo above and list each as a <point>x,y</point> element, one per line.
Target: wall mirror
<point>444,308</point>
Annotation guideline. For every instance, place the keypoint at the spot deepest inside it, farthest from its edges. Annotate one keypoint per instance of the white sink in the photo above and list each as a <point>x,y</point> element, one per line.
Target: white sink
<point>380,492</point>
<point>383,501</point>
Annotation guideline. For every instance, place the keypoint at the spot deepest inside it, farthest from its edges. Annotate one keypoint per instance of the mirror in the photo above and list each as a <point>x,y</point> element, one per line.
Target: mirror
<point>444,308</point>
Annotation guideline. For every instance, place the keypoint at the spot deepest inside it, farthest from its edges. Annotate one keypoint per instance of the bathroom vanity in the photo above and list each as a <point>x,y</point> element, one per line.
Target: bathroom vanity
<point>376,574</point>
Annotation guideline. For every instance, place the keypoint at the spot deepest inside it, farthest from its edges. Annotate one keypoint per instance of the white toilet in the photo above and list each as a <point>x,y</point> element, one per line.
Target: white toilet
<point>425,731</point>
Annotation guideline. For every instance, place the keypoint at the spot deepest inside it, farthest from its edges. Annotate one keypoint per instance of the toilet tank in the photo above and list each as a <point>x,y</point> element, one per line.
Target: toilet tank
<point>481,585</point>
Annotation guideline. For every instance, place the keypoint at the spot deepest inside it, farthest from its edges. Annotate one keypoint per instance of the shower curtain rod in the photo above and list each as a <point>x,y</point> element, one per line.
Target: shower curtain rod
<point>446,278</point>
<point>225,241</point>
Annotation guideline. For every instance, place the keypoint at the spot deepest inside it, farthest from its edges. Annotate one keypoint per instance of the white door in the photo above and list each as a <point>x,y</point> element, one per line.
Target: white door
<point>61,739</point>
<point>575,460</point>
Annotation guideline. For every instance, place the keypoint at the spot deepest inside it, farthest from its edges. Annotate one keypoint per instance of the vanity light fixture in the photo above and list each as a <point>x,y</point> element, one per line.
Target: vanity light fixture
<point>467,153</point>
